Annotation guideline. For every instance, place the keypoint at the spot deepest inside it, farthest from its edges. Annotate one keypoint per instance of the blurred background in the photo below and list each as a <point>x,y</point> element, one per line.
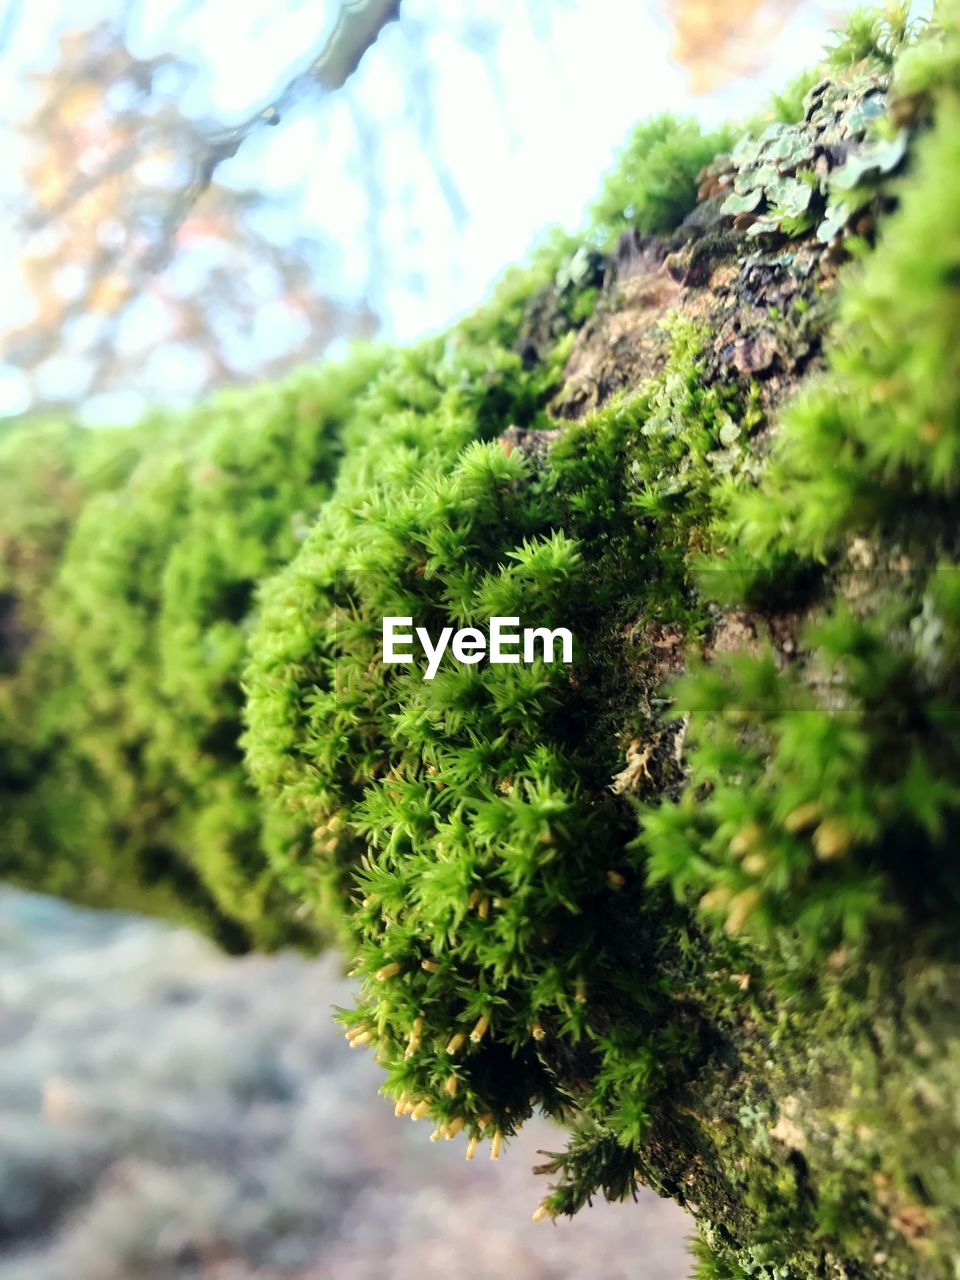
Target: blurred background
<point>206,192</point>
<point>169,1113</point>
<point>198,194</point>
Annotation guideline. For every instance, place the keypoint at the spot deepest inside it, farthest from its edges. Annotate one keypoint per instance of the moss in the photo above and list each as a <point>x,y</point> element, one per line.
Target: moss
<point>693,896</point>
<point>48,470</point>
<point>821,805</point>
<point>788,106</point>
<point>476,806</point>
<point>654,181</point>
<point>140,646</point>
<point>872,34</point>
<point>886,414</point>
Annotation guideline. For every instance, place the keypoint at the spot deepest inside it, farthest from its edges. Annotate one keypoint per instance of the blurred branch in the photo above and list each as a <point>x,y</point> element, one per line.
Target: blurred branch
<point>108,207</point>
<point>358,25</point>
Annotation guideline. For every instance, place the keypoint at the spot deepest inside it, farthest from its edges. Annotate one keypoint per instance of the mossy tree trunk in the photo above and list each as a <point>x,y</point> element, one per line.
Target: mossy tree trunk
<point>696,897</point>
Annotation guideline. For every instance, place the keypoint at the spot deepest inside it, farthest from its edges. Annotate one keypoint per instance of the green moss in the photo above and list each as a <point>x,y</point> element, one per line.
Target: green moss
<point>488,934</point>
<point>653,183</point>
<point>48,470</point>
<point>513,952</point>
<point>822,800</point>
<point>873,774</point>
<point>929,64</point>
<point>142,635</point>
<point>708,923</point>
<point>787,107</point>
<point>709,1265</point>
<point>136,588</point>
<point>873,34</point>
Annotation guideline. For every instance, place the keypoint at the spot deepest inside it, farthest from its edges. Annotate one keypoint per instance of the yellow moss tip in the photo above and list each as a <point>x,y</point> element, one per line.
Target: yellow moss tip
<point>450,1085</point>
<point>615,880</point>
<point>832,839</point>
<point>480,1029</point>
<point>741,908</point>
<point>414,1039</point>
<point>495,1144</point>
<point>454,1127</point>
<point>420,1110</point>
<point>805,815</point>
<point>538,1032</point>
<point>363,1038</point>
<point>430,966</point>
<point>746,838</point>
<point>717,898</point>
<point>755,864</point>
<point>456,1043</point>
<point>542,1211</point>
<point>472,1145</point>
<point>387,971</point>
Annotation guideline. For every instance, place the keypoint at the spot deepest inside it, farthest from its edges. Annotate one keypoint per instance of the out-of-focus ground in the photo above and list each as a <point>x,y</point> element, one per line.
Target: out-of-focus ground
<point>167,1113</point>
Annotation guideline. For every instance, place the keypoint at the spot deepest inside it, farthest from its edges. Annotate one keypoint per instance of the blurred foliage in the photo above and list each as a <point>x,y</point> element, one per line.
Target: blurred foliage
<point>142,644</point>
<point>132,247</point>
<point>717,43</point>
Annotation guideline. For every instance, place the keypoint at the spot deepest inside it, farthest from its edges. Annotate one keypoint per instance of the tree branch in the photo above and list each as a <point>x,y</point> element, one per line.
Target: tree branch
<point>358,25</point>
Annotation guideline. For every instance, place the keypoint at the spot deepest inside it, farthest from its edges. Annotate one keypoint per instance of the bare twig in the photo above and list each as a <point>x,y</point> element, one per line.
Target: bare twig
<point>358,25</point>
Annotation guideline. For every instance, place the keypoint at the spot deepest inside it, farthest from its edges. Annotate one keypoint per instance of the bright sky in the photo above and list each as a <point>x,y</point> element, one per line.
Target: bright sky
<point>524,147</point>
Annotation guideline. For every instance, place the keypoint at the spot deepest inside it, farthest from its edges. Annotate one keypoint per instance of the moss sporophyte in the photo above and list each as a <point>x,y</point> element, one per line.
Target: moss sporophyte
<point>503,643</point>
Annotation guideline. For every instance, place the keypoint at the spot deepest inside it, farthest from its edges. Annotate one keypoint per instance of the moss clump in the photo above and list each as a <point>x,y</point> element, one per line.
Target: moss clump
<point>467,824</point>
<point>852,796</point>
<point>875,35</point>
<point>124,778</point>
<point>513,940</point>
<point>821,809</point>
<point>692,896</point>
<point>47,473</point>
<point>654,181</point>
<point>139,641</point>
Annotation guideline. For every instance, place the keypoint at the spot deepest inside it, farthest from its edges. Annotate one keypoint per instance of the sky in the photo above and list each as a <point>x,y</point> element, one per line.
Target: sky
<point>525,104</point>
